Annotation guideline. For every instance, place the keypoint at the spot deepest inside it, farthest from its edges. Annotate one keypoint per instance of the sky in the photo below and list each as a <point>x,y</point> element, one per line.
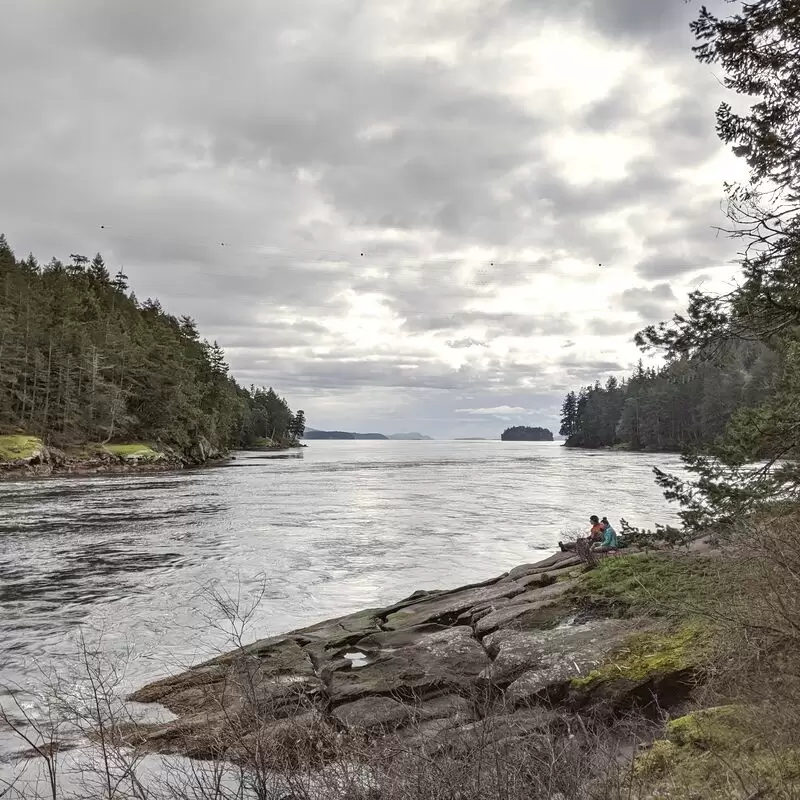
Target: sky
<point>428,215</point>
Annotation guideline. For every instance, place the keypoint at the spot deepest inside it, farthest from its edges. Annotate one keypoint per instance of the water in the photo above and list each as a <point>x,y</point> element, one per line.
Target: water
<point>132,561</point>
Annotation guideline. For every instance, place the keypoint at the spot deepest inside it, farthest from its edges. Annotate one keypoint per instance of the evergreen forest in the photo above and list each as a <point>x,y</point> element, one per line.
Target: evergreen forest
<point>685,404</point>
<point>82,360</point>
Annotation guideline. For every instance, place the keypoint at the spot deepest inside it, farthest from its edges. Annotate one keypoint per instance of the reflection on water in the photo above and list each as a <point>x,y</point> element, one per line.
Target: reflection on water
<point>327,530</point>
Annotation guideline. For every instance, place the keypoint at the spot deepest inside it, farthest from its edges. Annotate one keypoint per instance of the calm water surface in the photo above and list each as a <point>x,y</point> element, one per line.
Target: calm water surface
<point>333,528</point>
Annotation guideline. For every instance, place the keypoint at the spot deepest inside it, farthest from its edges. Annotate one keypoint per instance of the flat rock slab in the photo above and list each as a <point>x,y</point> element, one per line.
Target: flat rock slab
<point>274,671</point>
<point>556,561</point>
<point>369,713</point>
<point>446,607</point>
<point>392,640</point>
<point>447,659</point>
<point>518,652</point>
<point>497,728</point>
<point>532,609</point>
<point>342,631</point>
<point>521,617</point>
<point>386,713</point>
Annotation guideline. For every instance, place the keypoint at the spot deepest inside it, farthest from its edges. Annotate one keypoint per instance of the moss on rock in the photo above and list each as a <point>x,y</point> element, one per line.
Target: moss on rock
<point>651,654</point>
<point>720,726</point>
<point>134,451</point>
<point>716,753</point>
<point>19,447</point>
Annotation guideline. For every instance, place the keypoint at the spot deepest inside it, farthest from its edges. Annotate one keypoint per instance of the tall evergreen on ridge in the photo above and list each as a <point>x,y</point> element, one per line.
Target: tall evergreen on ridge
<point>81,360</point>
<point>298,427</point>
<point>569,416</point>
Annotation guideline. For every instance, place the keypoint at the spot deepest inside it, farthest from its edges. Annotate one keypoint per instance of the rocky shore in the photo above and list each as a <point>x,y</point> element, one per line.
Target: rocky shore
<point>530,653</point>
<point>29,457</point>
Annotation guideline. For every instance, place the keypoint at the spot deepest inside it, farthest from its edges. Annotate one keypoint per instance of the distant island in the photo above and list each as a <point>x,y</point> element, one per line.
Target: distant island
<point>522,433</point>
<point>315,434</point>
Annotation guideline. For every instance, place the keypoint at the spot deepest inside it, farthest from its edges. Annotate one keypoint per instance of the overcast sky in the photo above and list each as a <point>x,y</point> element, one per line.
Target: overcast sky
<point>432,215</point>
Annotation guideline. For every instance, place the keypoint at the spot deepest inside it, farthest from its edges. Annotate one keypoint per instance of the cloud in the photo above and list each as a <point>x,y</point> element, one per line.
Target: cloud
<point>376,207</point>
<point>649,303</point>
<point>459,344</point>
<point>497,411</point>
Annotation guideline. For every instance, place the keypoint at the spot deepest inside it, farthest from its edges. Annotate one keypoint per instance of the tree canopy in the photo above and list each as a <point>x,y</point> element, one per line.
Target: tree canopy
<point>82,360</point>
<point>684,404</point>
<point>755,460</point>
<point>523,433</point>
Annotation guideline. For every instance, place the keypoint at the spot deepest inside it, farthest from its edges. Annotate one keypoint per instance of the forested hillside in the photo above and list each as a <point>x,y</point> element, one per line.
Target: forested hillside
<point>687,403</point>
<point>81,360</point>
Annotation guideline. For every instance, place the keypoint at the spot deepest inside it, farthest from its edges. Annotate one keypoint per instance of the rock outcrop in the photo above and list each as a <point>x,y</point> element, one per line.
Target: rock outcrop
<point>516,655</point>
<point>26,456</point>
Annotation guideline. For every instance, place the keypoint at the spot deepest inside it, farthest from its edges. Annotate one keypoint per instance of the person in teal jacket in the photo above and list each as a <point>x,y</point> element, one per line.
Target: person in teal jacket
<point>609,540</point>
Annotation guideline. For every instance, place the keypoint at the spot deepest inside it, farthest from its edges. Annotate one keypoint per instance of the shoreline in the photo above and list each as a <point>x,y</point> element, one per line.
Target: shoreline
<point>531,640</point>
<point>50,462</point>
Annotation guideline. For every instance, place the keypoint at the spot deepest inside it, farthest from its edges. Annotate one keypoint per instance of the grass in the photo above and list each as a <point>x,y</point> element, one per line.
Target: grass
<point>676,586</point>
<point>16,447</point>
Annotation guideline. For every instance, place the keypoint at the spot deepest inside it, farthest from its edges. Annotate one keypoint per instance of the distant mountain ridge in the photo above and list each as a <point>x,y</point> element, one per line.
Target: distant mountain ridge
<point>312,433</point>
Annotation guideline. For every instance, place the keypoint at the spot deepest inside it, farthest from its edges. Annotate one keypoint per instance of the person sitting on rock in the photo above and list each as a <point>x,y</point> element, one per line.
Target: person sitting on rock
<point>595,536</point>
<point>608,539</point>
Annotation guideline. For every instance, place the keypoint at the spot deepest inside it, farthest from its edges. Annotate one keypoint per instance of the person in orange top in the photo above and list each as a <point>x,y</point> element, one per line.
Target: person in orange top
<point>595,535</point>
<point>597,531</point>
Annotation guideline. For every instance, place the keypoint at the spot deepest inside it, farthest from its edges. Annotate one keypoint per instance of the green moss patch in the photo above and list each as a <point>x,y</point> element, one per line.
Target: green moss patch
<point>137,451</point>
<point>13,448</point>
<point>715,753</point>
<point>721,726</point>
<point>650,654</point>
<point>672,585</point>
